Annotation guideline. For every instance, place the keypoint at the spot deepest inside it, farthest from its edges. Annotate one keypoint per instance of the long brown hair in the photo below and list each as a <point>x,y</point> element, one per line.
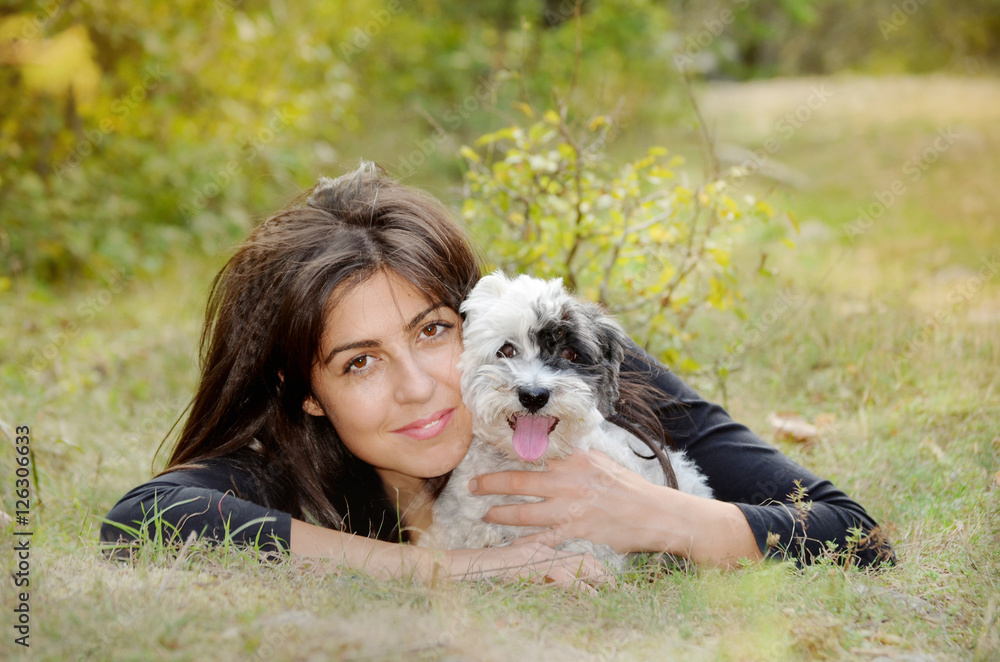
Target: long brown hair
<point>263,326</point>
<point>264,323</point>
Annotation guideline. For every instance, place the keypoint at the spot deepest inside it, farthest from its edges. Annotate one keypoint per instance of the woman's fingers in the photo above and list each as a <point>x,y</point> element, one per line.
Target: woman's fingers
<point>594,572</point>
<point>572,474</point>
<point>574,487</point>
<point>527,483</point>
<point>564,580</point>
<point>532,561</point>
<point>542,513</point>
<point>549,538</point>
<point>568,569</point>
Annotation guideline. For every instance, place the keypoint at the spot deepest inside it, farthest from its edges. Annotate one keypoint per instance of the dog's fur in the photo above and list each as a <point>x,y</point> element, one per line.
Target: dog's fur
<point>538,360</point>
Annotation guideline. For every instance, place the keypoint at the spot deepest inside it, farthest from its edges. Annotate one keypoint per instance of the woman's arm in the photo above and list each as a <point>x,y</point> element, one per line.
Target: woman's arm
<point>590,496</point>
<point>792,512</point>
<point>767,505</point>
<point>523,560</point>
<point>201,501</point>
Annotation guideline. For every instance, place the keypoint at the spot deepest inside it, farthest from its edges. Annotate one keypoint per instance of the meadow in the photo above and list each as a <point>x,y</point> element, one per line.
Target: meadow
<point>880,326</point>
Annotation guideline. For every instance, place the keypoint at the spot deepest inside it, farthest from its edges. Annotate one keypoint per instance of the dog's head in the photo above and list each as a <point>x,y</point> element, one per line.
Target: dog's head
<point>539,367</point>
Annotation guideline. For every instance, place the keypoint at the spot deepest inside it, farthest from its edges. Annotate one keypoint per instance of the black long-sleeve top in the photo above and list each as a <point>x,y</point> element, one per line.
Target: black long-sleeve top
<point>228,496</point>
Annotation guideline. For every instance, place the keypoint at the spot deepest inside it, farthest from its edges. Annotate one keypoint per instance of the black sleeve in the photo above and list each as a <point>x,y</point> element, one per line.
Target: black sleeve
<point>200,500</point>
<point>758,478</point>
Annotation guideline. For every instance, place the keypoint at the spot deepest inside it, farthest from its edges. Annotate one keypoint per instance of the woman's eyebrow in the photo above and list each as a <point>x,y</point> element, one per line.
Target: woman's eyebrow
<point>369,344</point>
<point>415,322</point>
<point>366,344</point>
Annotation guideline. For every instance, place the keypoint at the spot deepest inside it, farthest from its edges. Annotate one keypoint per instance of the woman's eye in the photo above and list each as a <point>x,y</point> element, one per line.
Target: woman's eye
<point>568,354</point>
<point>508,351</point>
<point>434,329</point>
<point>358,363</point>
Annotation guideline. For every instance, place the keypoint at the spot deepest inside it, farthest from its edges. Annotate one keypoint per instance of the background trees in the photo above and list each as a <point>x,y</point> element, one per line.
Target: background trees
<point>130,130</point>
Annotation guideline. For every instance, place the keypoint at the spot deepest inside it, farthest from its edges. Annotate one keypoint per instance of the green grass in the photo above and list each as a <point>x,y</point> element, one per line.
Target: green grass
<point>911,431</point>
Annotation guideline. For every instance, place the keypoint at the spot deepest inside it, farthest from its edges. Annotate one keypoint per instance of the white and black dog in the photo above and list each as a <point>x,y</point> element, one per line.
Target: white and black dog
<point>540,377</point>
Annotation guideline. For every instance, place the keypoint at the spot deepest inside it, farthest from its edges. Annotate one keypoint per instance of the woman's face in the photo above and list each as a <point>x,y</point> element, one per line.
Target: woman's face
<point>388,381</point>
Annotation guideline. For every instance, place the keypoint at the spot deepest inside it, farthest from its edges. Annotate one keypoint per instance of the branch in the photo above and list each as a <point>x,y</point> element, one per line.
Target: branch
<point>578,185</point>
<point>615,252</point>
<point>707,142</point>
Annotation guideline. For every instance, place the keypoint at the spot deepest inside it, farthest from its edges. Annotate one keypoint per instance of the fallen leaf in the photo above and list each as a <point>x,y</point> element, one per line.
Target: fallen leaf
<point>826,421</point>
<point>792,427</point>
<point>890,639</point>
<point>930,445</point>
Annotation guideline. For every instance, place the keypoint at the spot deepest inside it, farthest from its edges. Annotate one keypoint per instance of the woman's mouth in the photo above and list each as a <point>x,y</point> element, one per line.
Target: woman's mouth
<point>427,428</point>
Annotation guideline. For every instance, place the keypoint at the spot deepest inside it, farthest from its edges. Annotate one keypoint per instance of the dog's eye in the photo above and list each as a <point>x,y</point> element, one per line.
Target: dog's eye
<point>508,351</point>
<point>568,354</point>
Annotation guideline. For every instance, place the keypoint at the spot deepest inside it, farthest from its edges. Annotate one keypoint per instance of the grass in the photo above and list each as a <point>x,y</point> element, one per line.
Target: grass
<point>909,404</point>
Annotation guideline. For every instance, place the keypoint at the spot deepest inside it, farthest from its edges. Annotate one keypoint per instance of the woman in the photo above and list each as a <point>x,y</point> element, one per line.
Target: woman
<point>329,409</point>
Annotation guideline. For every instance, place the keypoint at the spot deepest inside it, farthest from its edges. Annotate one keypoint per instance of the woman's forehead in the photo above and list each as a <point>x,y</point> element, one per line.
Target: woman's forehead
<point>382,303</point>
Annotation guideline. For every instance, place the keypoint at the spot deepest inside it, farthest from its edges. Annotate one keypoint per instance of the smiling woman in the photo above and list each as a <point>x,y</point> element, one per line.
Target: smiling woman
<point>329,416</point>
<point>390,384</point>
<point>329,394</point>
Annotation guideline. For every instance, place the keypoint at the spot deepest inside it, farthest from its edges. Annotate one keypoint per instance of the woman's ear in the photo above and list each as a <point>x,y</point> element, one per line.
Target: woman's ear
<point>312,407</point>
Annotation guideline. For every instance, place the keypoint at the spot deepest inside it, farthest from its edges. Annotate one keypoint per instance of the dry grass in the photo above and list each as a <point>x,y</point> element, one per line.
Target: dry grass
<point>910,412</point>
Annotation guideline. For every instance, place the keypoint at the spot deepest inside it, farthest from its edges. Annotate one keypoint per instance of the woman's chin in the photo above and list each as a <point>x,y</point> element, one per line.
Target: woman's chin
<point>446,462</point>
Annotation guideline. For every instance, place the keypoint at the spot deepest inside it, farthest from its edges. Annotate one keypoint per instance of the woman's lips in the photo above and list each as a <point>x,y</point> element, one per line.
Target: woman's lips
<point>427,428</point>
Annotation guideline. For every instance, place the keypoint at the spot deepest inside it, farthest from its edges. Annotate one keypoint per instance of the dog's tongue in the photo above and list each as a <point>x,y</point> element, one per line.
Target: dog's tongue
<point>531,436</point>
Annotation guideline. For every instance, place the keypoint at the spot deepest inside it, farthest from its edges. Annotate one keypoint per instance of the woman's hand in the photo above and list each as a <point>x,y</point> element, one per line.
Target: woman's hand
<point>523,559</point>
<point>322,548</point>
<point>587,495</point>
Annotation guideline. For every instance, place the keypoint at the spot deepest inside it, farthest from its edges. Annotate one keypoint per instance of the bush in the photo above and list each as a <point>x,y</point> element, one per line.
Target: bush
<point>543,198</point>
<point>136,131</point>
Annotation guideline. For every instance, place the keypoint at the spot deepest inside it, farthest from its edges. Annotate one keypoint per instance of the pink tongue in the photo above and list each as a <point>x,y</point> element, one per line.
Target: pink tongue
<point>531,436</point>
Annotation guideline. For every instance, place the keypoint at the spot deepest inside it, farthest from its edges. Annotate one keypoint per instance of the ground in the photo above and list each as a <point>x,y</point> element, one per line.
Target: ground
<point>889,345</point>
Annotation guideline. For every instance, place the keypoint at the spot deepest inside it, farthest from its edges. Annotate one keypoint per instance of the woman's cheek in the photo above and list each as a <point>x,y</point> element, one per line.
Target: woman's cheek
<point>452,358</point>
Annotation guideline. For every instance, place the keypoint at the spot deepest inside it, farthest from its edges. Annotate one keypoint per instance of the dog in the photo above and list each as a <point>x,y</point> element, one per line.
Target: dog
<point>540,375</point>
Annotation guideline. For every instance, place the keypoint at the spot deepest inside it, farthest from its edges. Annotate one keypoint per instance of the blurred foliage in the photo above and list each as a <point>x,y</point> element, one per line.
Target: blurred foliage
<point>654,250</point>
<point>133,130</point>
<point>760,38</point>
<point>201,112</point>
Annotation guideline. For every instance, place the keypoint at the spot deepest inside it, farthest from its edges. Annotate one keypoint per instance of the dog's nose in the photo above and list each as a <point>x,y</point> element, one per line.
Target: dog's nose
<point>533,398</point>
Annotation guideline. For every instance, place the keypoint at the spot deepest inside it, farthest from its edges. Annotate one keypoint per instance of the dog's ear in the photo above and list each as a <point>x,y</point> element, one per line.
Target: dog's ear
<point>610,334</point>
<point>486,292</point>
<point>612,340</point>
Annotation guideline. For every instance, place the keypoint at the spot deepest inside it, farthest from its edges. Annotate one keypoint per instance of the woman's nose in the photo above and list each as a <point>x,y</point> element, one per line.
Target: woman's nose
<point>414,382</point>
